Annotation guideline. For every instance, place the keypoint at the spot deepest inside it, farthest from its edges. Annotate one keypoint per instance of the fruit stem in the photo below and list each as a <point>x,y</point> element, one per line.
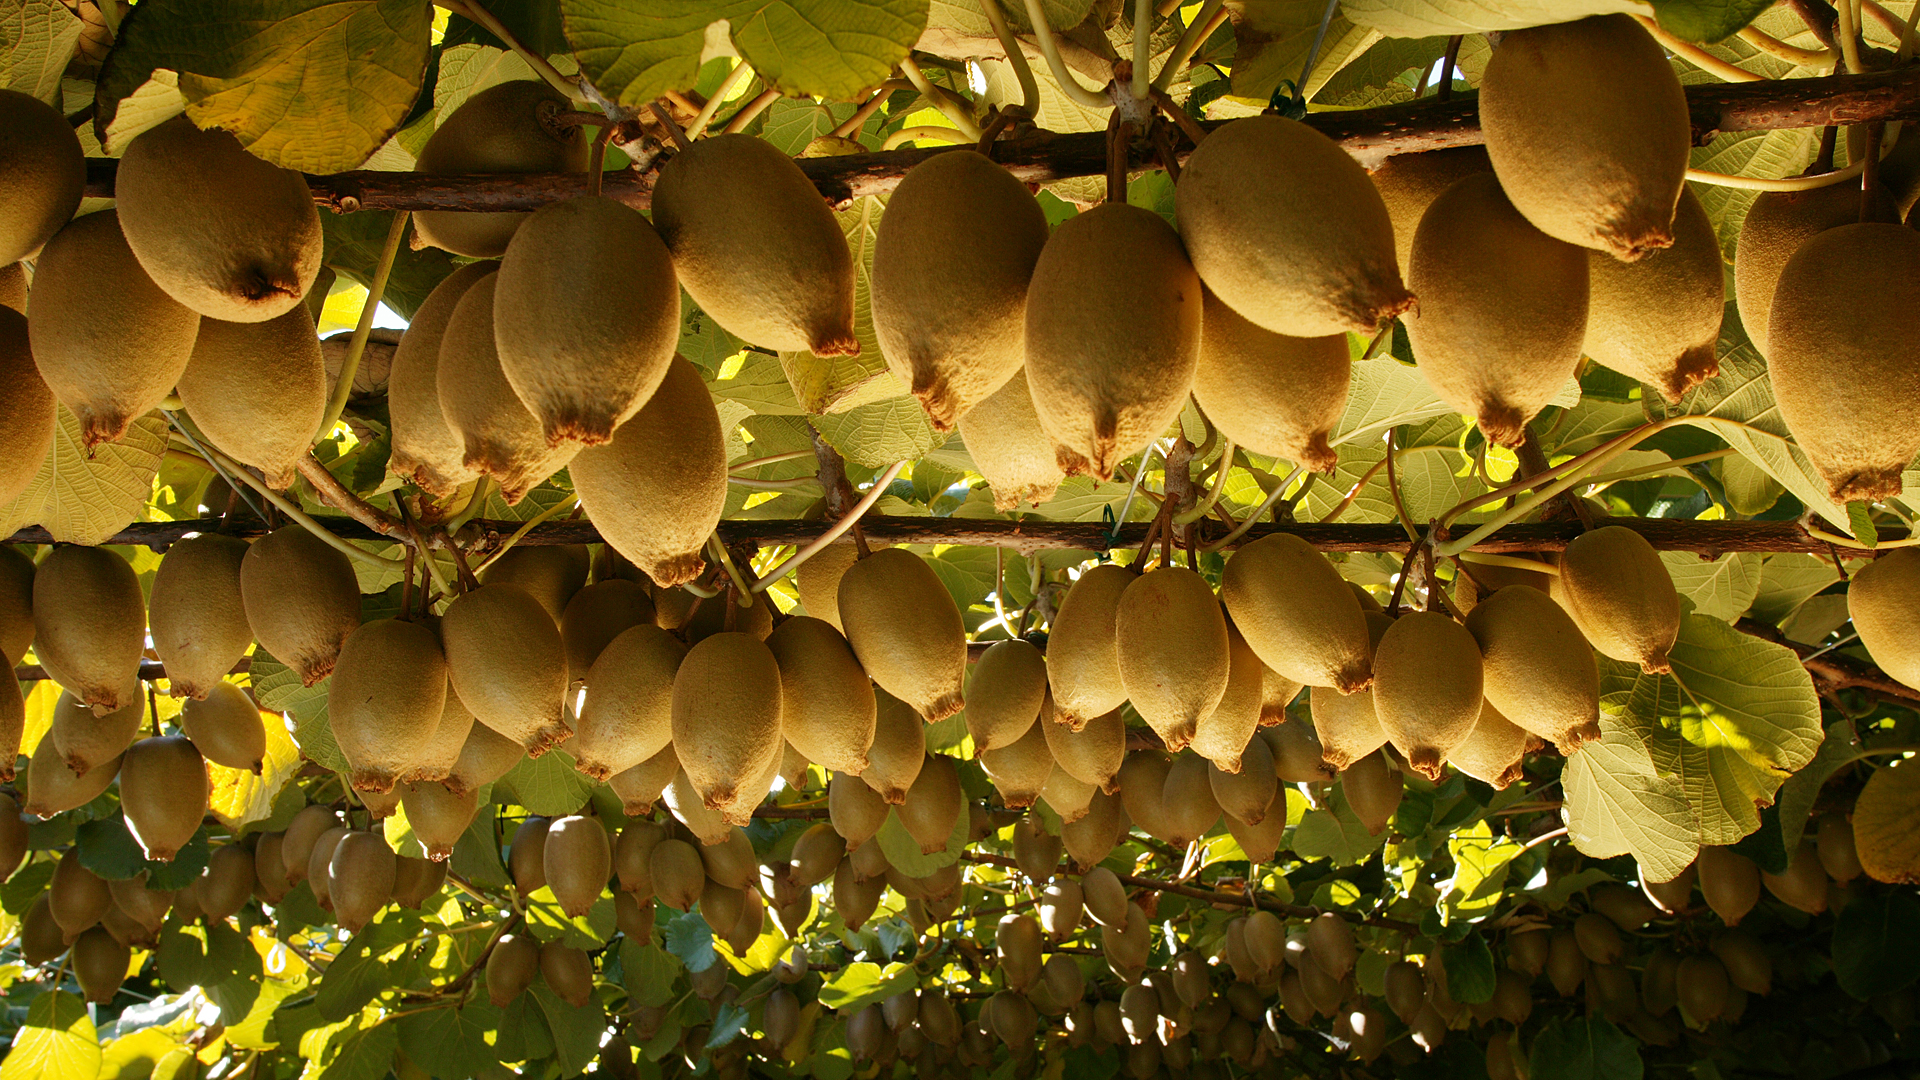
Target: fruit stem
<point>205,457</point>
<point>1142,47</point>
<point>1279,491</point>
<point>350,366</point>
<point>680,140</point>
<point>1697,56</point>
<point>1837,540</point>
<point>1484,559</point>
<point>705,116</point>
<point>330,489</point>
<point>819,543</point>
<point>742,595</point>
<point>1205,505</point>
<point>475,500</point>
<point>1393,489</point>
<point>911,134</point>
<point>298,515</point>
<point>526,526</point>
<point>1205,22</point>
<point>859,118</point>
<point>1664,466</point>
<point>1793,54</point>
<point>1043,35</point>
<point>1029,88</point>
<point>948,107</point>
<point>739,121</point>
<point>474,10</point>
<point>1849,34</point>
<point>1448,61</point>
<point>771,459</point>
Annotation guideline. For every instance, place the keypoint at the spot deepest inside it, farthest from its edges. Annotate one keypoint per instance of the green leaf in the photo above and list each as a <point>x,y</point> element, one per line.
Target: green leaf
<point>1802,789</point>
<point>878,434</point>
<point>861,984</point>
<point>576,1031</point>
<point>1723,588</point>
<point>1471,977</point>
<point>1273,37</point>
<point>108,849</point>
<point>548,785</point>
<point>648,972</point>
<point>57,1040</point>
<point>83,498</point>
<point>1481,861</point>
<point>312,85</point>
<point>1425,18</point>
<point>360,971</point>
<point>903,851</point>
<point>353,246</point>
<point>1618,804</point>
<point>1745,694</point>
<point>688,936</point>
<point>523,1034</point>
<point>547,922</point>
<point>1860,521</point>
<point>1875,948</point>
<point>1706,20</point>
<point>360,1047</point>
<point>1585,1049</point>
<point>636,50</point>
<point>454,1040</point>
<point>1335,833</point>
<point>1786,581</point>
<point>36,41</point>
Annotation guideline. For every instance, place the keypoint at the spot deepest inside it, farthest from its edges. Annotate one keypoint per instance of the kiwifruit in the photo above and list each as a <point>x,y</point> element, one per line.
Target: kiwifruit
<point>1347,725</point>
<point>1061,905</point>
<point>1587,128</point>
<point>732,861</point>
<point>1016,456</point>
<point>41,939</point>
<point>1019,771</point>
<point>501,438</point>
<point>417,880</point>
<point>657,490</point>
<point>1598,938</point>
<point>634,918</point>
<point>124,930</point>
<point>933,804</point>
<point>85,741</point>
<point>426,451</point>
<point>1324,991</point>
<point>1330,944</point>
<point>388,693</point>
<point>1804,884</point>
<point>1142,783</point>
<point>1749,968</point>
<point>1408,184</point>
<point>1106,898</point>
<point>360,877</point>
<point>597,614</point>
<point>527,855</point>
<point>163,789</point>
<point>1406,989</point>
<point>1621,596</point>
<point>511,968</point>
<point>1011,1017</point>
<point>815,853</point>
<point>855,900</point>
<point>379,805</point>
<point>296,844</point>
<point>43,171</point>
<point>906,630</point>
<point>1880,601</point>
<point>100,964</point>
<point>200,625</point>
<point>485,756</point>
<point>869,860</point>
<point>27,408</point>
<point>854,808</point>
<point>627,716</point>
<point>1297,613</point>
<point>725,709</point>
<point>1113,334</point>
<point>1503,308</point>
<point>1658,319</point>
<point>109,363</point>
<point>899,748</point>
<point>439,817</point>
<point>1834,838</point>
<point>302,600</point>
<point>1189,810</point>
<point>1174,655</point>
<point>1624,904</point>
<point>1567,963</point>
<point>13,286</point>
<point>508,128</point>
<point>818,582</point>
<point>258,390</point>
<point>827,706</point>
<point>13,836</point>
<point>684,802</point>
<point>89,624</point>
<point>508,664</point>
<point>756,247</point>
<point>1017,942</point>
<point>639,786</point>
<point>1427,688</point>
<point>16,603</point>
<point>1242,204</point>
<point>747,928</point>
<point>1083,647</point>
<point>1246,795</point>
<point>1729,881</point>
<point>148,906</point>
<point>1126,943</point>
<point>77,896</point>
<point>1777,224</point>
<point>1493,751</point>
<point>554,574</point>
<point>1848,405</point>
<point>13,725</point>
<point>578,861</point>
<point>449,741</point>
<point>52,788</point>
<point>1373,790</point>
<point>1268,392</point>
<point>1539,669</point>
<point>225,726</point>
<point>587,314</point>
<point>1091,751</point>
<point>1262,839</point>
<point>1091,835</point>
<point>1005,694</point>
<point>1702,987</point>
<point>632,856</point>
<point>1067,796</point>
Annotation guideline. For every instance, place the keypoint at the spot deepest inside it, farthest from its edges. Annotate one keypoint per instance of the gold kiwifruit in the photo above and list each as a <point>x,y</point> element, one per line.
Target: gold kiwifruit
<point>627,716</point>
<point>1503,308</point>
<point>13,286</point>
<point>1776,225</point>
<point>1068,796</point>
<point>1428,687</point>
<point>43,172</point>
<point>1408,184</point>
<point>827,707</point>
<point>958,224</point>
<point>85,741</point>
<point>1347,725</point>
<point>1113,334</point>
<point>1020,461</point>
<point>1245,795</point>
<point>554,574</point>
<point>1189,810</point>
<point>76,895</point>
<point>854,809</point>
<point>1126,945</point>
<point>148,906</point>
<point>1093,753</point>
<point>360,878</point>
<point>258,390</point>
<point>1019,770</point>
<point>269,868</point>
<point>110,363</point>
<point>41,940</point>
<point>1804,883</point>
<point>1035,850</point>
<point>16,603</point>
<point>898,751</point>
<point>296,844</point>
<point>438,817</point>
<point>426,451</point>
<point>1621,596</point>
<point>100,964</point>
<point>578,861</point>
<point>1658,319</point>
<point>1847,396</point>
<point>756,246</point>
<point>1297,613</point>
<point>640,786</point>
<point>598,614</point>
<point>52,788</point>
<point>13,836</point>
<point>1539,668</point>
<point>1702,987</point>
<point>1884,602</point>
<point>1017,942</point>
<point>320,866</point>
<point>501,438</point>
<point>1288,230</point>
<point>1091,837</point>
<point>199,622</point>
<point>223,232</point>
<point>632,854</point>
<point>512,127</point>
<point>657,490</point>
<point>1174,655</point>
<point>906,630</point>
<point>677,872</point>
<point>1221,736</point>
<point>485,756</point>
<point>508,664</point>
<point>1373,789</point>
<point>933,804</point>
<point>816,852</point>
<point>27,409</point>
<point>388,693</point>
<point>89,624</point>
<point>1587,128</point>
<point>1261,841</point>
<point>301,598</point>
<point>449,740</point>
<point>379,805</point>
<point>415,881</point>
<point>1142,783</point>
<point>1083,646</point>
<point>511,968</point>
<point>13,728</point>
<point>1298,757</point>
<point>1268,392</point>
<point>226,728</point>
<point>1005,693</point>
<point>1729,881</point>
<point>1494,751</point>
<point>1748,965</point>
<point>818,581</point>
<point>164,789</point>
<point>527,855</point>
<point>726,710</point>
<point>732,861</point>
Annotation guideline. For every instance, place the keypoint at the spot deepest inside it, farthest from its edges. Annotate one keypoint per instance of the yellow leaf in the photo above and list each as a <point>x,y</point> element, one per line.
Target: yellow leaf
<point>40,702</point>
<point>238,796</point>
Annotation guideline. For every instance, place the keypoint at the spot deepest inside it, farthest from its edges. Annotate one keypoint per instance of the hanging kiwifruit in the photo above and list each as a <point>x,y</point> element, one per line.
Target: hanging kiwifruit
<point>258,391</point>
<point>148,906</point>
<point>417,880</point>
<point>1621,596</point>
<point>815,854</point>
<point>426,451</point>
<point>527,855</point>
<point>1373,789</point>
<point>13,727</point>
<point>1067,795</point>
<point>1503,308</point>
<point>1019,460</point>
<point>85,741</point>
<point>1494,751</point>
<point>16,603</point>
<point>854,808</point>
<point>1427,689</point>
<point>906,630</point>
<point>1658,319</point>
<point>1834,844</point>
<point>43,172</point>
<point>640,786</point>
<point>1881,601</point>
<point>450,734</point>
<point>1848,399</point>
<point>511,968</point>
<point>827,706</point>
<point>1188,808</point>
<point>164,789</point>
<point>1804,883</point>
<point>485,756</point>
<point>1260,841</point>
<point>439,817</point>
<point>1092,836</point>
<point>1347,724</point>
<point>578,861</point>
<point>934,804</point>
<point>1174,655</point>
<point>27,409</point>
<point>1408,184</point>
<point>553,573</point>
<point>597,614</point>
<point>627,716</point>
<point>1142,782</point>
<point>89,624</point>
<point>677,872</point>
<point>301,599</point>
<point>223,232</point>
<point>726,719</point>
<point>100,964</point>
<point>1297,613</point>
<point>508,664</point>
<point>657,490</point>
<point>200,626</point>
<point>227,883</point>
<point>1776,225</point>
<point>269,869</point>
<point>1083,646</point>
<point>76,895</point>
<point>1270,393</point>
<point>1246,794</point>
<point>1298,757</point>
<point>1005,693</point>
<point>1093,753</point>
<point>1587,128</point>
<point>360,878</point>
<point>898,751</point>
<point>756,246</point>
<point>1730,882</point>
<point>379,805</point>
<point>818,581</point>
<point>1113,333</point>
<point>388,693</point>
<point>1702,987</point>
<point>13,836</point>
<point>1288,230</point>
<point>296,844</point>
<point>502,439</point>
<point>1035,850</point>
<point>13,286</point>
<point>586,316</point>
<point>226,728</point>
<point>52,788</point>
<point>1017,943</point>
<point>1019,771</point>
<point>1539,668</point>
<point>633,854</point>
<point>508,128</point>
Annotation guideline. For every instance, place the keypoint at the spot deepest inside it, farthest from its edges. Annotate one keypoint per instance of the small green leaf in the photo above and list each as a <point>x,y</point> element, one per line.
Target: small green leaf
<point>1860,520</point>
<point>1335,833</point>
<point>57,1040</point>
<point>108,849</point>
<point>1471,978</point>
<point>860,984</point>
<point>648,971</point>
<point>576,1031</point>
<point>83,497</point>
<point>547,785</point>
<point>688,937</point>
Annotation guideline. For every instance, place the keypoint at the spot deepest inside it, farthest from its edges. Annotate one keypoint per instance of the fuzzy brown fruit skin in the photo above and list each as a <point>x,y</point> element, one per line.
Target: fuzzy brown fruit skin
<point>426,451</point>
<point>1005,694</point>
<point>1587,128</point>
<point>13,286</point>
<point>360,878</point>
<point>13,725</point>
<point>1093,754</point>
<point>906,630</point>
<point>511,968</point>
<point>27,408</point>
<point>1083,647</point>
<point>958,224</point>
<point>388,693</point>
<point>1848,386</point>
<point>1347,725</point>
<point>1729,881</point>
<point>508,664</point>
<point>1113,334</point>
<point>1020,769</point>
<point>301,599</point>
<point>1297,613</point>
<point>163,787</point>
<point>726,719</point>
<point>43,171</point>
<point>554,574</point>
<point>1621,596</point>
<point>658,489</point>
<point>1271,393</point>
<point>568,972</point>
<point>597,615</point>
<point>52,788</point>
<point>898,751</point>
<point>258,390</point>
<point>199,622</point>
<point>89,623</point>
<point>827,706</point>
<point>1222,734</point>
<point>227,883</point>
<point>485,755</point>
<point>640,787</point>
<point>76,896</point>
<point>854,809</point>
<point>586,315</point>
<point>756,246</point>
<point>1539,668</point>
<point>16,603</point>
<point>934,804</point>
<point>296,844</point>
<point>1020,461</point>
<point>1174,657</point>
<point>85,741</point>
<point>627,716</point>
<point>226,728</point>
<point>506,128</point>
<point>1503,308</point>
<point>1884,602</point>
<point>1427,688</point>
<point>818,582</point>
<point>1288,230</point>
<point>1494,751</point>
<point>1776,226</point>
<point>100,964</point>
<point>1658,319</point>
<point>501,438</point>
<point>1408,184</point>
<point>222,231</point>
<point>439,817</point>
<point>109,363</point>
<point>578,860</point>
